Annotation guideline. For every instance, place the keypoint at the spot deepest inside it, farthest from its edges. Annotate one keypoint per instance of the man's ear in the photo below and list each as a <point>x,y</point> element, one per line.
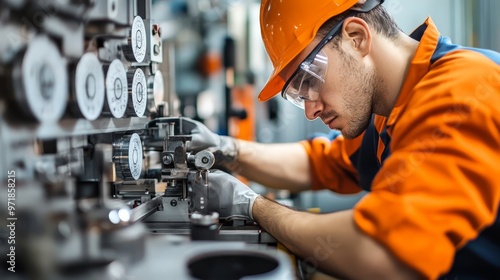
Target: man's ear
<point>357,35</point>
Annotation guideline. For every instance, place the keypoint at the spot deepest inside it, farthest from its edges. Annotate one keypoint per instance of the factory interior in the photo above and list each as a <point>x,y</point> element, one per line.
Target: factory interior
<point>104,185</point>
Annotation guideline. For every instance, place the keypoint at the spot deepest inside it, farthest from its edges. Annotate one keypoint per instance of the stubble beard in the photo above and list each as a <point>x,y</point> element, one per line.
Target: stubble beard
<point>363,91</point>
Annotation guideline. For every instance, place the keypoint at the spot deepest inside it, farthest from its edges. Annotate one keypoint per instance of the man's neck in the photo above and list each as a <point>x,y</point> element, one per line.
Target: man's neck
<point>392,60</point>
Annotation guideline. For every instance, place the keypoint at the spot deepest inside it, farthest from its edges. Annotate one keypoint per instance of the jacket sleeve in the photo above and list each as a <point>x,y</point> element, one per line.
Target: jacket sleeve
<point>440,187</point>
<point>331,167</point>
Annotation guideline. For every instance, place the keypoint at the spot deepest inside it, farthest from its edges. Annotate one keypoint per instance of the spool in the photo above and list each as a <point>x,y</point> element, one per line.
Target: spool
<point>88,91</point>
<point>137,46</point>
<point>116,89</point>
<point>127,155</point>
<point>137,89</point>
<point>40,81</point>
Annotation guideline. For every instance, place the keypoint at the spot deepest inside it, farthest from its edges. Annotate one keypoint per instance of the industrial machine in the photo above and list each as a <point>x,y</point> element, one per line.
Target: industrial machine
<point>96,182</point>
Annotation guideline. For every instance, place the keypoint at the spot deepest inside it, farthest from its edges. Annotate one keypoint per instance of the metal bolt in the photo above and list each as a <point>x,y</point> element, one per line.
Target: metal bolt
<point>64,229</point>
<point>173,202</point>
<point>167,159</point>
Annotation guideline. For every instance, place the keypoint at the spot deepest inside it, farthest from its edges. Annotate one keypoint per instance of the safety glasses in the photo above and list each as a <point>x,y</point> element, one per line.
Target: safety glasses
<point>307,81</point>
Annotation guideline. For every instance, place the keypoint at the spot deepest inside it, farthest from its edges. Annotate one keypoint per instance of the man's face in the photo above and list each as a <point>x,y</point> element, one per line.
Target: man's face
<point>347,98</point>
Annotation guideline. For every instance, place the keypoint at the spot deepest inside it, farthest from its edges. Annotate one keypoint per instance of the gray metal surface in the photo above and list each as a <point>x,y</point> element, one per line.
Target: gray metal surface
<point>168,258</point>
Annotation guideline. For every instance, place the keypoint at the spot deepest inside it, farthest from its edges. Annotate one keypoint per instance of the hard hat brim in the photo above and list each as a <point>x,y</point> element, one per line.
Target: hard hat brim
<point>273,86</point>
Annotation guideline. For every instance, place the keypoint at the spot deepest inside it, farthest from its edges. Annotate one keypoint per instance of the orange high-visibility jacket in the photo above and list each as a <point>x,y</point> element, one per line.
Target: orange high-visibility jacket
<point>432,168</point>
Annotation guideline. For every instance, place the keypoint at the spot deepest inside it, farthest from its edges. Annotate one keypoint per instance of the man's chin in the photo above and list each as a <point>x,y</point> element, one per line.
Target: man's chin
<point>351,134</point>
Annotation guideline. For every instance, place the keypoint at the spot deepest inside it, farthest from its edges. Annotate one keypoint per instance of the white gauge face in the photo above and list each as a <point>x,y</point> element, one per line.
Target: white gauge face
<point>139,92</point>
<point>138,38</point>
<point>89,86</point>
<point>117,88</point>
<point>45,80</point>
<point>135,156</point>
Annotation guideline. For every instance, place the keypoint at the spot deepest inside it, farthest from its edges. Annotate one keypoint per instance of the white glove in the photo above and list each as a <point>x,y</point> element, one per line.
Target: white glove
<point>224,148</point>
<point>229,196</point>
<point>202,137</point>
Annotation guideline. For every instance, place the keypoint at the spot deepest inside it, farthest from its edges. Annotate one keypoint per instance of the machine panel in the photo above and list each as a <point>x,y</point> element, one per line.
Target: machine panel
<point>95,183</point>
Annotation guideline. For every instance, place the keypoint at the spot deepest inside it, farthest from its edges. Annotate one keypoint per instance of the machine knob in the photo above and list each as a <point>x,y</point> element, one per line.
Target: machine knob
<point>204,160</point>
<point>135,51</point>
<point>127,155</point>
<point>42,79</point>
<point>116,89</point>
<point>89,87</point>
<point>137,93</point>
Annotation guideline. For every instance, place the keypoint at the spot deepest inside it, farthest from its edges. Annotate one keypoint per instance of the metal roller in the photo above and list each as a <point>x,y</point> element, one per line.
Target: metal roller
<point>88,91</point>
<point>116,89</point>
<point>156,90</point>
<point>137,46</point>
<point>137,89</point>
<point>41,81</point>
<point>127,155</point>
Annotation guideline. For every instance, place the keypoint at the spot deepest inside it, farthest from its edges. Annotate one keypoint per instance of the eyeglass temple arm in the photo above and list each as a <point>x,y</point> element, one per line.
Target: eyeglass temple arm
<point>368,6</point>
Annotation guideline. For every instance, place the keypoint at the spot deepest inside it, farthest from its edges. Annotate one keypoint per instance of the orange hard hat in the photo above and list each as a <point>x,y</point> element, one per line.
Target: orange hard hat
<point>287,27</point>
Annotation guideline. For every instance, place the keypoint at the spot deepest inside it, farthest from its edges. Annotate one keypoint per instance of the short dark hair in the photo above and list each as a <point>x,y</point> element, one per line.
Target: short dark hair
<point>378,18</point>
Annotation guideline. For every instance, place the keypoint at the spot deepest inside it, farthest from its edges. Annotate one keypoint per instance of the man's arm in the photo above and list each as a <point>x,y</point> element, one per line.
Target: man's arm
<point>283,166</point>
<point>332,242</point>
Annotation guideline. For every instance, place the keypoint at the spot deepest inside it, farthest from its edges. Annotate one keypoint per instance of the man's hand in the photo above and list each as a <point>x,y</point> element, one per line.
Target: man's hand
<point>203,138</point>
<point>230,197</point>
<point>224,148</point>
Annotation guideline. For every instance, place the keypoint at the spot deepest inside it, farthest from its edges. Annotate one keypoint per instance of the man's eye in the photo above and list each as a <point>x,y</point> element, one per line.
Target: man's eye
<point>296,82</point>
<point>311,82</point>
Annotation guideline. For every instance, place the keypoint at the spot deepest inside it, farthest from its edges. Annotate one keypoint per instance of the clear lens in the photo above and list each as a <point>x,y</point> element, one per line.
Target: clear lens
<point>308,81</point>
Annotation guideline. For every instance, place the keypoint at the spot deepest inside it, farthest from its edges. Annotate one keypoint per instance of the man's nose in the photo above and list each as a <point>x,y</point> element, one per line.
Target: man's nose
<point>312,109</point>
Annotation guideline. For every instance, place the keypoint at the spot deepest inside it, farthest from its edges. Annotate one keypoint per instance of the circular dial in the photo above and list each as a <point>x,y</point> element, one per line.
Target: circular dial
<point>89,86</point>
<point>116,89</point>
<point>128,152</point>
<point>44,81</point>
<point>138,92</point>
<point>138,39</point>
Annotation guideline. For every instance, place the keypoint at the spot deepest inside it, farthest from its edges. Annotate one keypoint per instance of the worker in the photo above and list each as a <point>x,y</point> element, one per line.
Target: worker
<point>420,131</point>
